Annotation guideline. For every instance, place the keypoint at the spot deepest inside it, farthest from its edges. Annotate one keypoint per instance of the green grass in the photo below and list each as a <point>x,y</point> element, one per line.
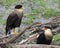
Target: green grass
<point>7,3</point>
<point>57,1</point>
<point>57,37</point>
<point>28,21</point>
<point>48,12</point>
<point>29,18</point>
<point>32,16</point>
<point>42,3</point>
<point>51,12</point>
<point>31,0</point>
<point>35,11</point>
<point>2,21</point>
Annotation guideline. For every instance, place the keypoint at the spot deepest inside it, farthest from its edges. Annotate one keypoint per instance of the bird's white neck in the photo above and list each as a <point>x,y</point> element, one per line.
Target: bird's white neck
<point>48,34</point>
<point>19,10</point>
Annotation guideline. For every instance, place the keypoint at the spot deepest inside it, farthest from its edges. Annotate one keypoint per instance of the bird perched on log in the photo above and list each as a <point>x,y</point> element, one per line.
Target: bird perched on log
<point>14,19</point>
<point>46,36</point>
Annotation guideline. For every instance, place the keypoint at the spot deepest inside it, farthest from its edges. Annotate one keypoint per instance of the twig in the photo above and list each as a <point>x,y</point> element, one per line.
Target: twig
<point>6,36</point>
<point>30,38</point>
<point>56,31</point>
<point>55,18</point>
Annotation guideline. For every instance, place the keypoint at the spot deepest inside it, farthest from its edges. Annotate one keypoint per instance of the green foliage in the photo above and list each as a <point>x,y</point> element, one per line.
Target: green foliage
<point>31,0</point>
<point>32,16</point>
<point>2,21</point>
<point>57,1</point>
<point>0,16</point>
<point>7,2</point>
<point>51,12</point>
<point>57,37</point>
<point>42,3</point>
<point>48,13</point>
<point>10,47</point>
<point>29,19</point>
<point>57,13</point>
<point>35,11</point>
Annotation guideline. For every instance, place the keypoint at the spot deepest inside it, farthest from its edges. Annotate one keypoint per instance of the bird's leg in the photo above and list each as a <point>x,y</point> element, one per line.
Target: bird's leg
<point>9,32</point>
<point>14,31</point>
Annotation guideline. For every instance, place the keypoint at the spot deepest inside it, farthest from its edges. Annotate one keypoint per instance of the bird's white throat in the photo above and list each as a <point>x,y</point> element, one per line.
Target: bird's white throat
<point>48,34</point>
<point>19,10</point>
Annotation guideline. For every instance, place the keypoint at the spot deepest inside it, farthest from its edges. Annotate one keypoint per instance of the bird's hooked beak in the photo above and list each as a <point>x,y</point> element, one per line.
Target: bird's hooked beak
<point>43,28</point>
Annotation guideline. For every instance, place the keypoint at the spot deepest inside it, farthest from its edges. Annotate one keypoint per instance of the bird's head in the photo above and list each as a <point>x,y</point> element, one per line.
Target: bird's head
<point>47,32</point>
<point>46,27</point>
<point>19,8</point>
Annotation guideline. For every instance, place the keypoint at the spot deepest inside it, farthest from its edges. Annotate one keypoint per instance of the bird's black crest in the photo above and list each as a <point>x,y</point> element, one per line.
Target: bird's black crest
<point>48,27</point>
<point>18,6</point>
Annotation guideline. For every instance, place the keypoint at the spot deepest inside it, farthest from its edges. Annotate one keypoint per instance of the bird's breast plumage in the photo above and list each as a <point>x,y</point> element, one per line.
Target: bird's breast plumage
<point>48,34</point>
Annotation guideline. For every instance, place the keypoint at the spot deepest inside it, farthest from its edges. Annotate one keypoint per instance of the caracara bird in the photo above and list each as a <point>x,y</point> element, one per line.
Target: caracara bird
<point>14,19</point>
<point>46,36</point>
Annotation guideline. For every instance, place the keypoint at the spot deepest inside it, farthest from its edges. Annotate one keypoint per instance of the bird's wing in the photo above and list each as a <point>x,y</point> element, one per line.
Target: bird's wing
<point>11,18</point>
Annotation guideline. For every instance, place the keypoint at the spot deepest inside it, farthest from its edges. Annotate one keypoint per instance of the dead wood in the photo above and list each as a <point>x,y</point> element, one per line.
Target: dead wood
<point>56,30</point>
<point>37,46</point>
<point>18,35</point>
<point>55,18</point>
<point>30,38</point>
<point>35,36</point>
<point>11,40</point>
<point>3,46</point>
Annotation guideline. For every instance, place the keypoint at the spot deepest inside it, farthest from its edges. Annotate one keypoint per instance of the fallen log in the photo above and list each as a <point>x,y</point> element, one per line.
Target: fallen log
<point>11,40</point>
<point>35,36</point>
<point>56,30</point>
<point>18,35</point>
<point>30,38</point>
<point>35,46</point>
